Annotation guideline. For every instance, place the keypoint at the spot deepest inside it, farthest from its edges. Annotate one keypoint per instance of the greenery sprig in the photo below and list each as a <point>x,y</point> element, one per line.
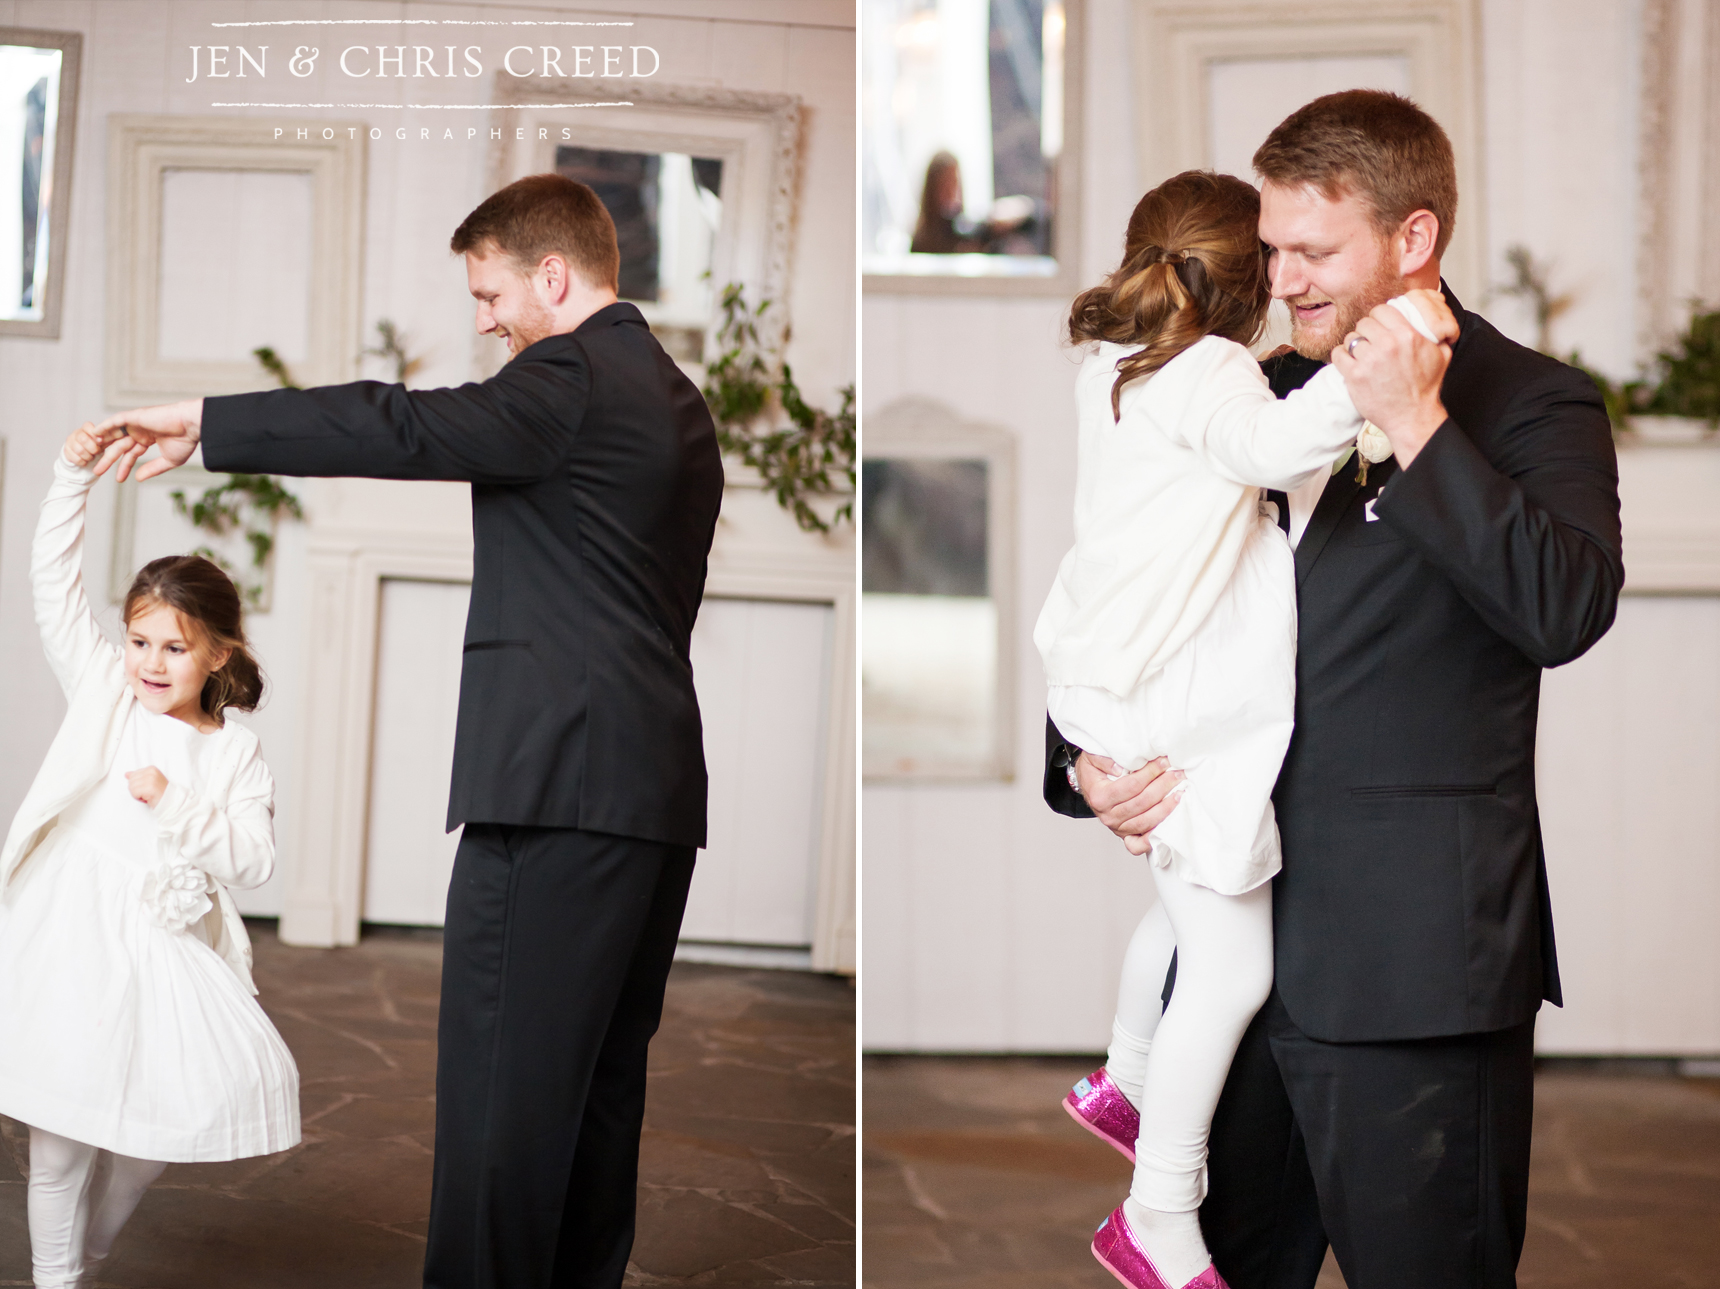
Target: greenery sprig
<point>1684,379</point>
<point>251,504</point>
<point>813,454</point>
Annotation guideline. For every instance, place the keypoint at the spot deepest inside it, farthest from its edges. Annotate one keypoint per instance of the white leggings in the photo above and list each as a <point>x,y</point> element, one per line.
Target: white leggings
<point>1224,972</point>
<point>80,1197</point>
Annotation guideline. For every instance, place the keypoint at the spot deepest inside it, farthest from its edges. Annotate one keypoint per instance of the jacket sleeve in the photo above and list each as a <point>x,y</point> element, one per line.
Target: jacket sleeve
<point>1058,794</point>
<point>70,636</point>
<point>511,429</point>
<point>235,845</point>
<point>1250,437</point>
<point>1531,538</point>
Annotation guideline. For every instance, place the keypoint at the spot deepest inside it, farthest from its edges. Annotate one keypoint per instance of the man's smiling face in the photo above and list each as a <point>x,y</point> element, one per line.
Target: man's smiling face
<point>509,303</point>
<point>1327,260</point>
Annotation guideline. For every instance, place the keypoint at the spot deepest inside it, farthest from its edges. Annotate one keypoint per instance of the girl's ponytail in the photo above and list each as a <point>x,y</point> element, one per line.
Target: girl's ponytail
<point>1192,267</point>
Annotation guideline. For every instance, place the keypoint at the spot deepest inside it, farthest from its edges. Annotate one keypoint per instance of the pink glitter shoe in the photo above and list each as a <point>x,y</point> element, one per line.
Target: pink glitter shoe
<point>1099,1106</point>
<point>1118,1251</point>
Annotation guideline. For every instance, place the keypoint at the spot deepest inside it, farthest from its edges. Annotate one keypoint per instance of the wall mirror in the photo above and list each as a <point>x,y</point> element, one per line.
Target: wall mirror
<point>700,182</point>
<point>668,210</point>
<point>969,144</point>
<point>38,118</point>
<point>937,620</point>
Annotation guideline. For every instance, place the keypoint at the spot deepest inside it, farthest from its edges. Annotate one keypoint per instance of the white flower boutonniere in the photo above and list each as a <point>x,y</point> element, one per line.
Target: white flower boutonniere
<point>1372,447</point>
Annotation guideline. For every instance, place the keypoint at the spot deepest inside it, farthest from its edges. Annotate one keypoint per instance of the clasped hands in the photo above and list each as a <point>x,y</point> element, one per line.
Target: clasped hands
<point>173,428</point>
<point>1394,373</point>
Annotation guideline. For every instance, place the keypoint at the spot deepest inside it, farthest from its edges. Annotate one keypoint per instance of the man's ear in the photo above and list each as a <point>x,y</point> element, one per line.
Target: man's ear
<point>552,272</point>
<point>1417,236</point>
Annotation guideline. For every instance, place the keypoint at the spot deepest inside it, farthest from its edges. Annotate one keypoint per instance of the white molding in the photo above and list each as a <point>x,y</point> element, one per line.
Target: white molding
<point>918,428</point>
<point>1176,41</point>
<point>140,148</point>
<point>1678,167</point>
<point>757,136</point>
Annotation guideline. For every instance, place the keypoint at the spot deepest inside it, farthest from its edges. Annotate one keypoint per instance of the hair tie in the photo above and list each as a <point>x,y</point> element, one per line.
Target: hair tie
<point>1173,258</point>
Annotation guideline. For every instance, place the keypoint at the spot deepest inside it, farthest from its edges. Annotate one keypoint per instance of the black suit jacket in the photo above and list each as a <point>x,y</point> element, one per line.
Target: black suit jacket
<point>595,487</point>
<point>1413,901</point>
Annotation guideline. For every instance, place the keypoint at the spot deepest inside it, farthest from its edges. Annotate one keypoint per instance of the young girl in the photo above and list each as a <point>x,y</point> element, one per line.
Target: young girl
<point>1171,631</point>
<point>131,1035</point>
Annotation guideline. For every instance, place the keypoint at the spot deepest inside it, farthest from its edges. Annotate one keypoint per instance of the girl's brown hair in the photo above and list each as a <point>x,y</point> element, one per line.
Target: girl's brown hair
<point>1193,266</point>
<point>208,604</point>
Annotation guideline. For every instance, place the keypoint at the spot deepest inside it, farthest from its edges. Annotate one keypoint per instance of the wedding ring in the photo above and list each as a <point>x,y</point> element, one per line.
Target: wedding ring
<point>1351,343</point>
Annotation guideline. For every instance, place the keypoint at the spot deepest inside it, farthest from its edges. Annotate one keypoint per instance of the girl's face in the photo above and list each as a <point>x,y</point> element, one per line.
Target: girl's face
<point>166,666</point>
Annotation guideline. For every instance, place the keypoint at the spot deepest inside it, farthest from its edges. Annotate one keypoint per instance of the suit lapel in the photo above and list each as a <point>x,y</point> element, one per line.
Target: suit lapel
<point>1339,495</point>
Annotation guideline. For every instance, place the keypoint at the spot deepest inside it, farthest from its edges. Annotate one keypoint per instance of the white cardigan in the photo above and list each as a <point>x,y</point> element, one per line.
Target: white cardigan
<point>1166,495</point>
<point>226,830</point>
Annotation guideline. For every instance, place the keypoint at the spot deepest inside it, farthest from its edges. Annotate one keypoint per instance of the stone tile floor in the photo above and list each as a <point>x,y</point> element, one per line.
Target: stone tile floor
<point>973,1175</point>
<point>746,1171</point>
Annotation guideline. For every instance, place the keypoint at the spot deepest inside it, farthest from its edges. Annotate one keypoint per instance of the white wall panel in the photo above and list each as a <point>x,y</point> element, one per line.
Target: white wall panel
<point>235,264</point>
<point>1629,759</point>
<point>762,672</point>
<point>409,856</point>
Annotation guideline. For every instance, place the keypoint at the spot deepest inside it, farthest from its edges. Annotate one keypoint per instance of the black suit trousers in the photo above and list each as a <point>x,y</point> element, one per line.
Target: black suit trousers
<point>1411,1157</point>
<point>556,953</point>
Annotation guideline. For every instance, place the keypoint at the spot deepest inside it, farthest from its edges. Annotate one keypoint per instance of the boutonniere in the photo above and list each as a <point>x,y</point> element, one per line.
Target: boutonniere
<point>1372,447</point>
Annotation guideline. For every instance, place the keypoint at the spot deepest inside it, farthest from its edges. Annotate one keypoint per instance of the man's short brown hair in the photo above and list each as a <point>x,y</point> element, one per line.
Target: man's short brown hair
<point>545,215</point>
<point>1379,146</point>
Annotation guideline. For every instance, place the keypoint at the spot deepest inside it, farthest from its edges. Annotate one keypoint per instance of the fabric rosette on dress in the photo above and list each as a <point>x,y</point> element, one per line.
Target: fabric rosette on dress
<point>176,893</point>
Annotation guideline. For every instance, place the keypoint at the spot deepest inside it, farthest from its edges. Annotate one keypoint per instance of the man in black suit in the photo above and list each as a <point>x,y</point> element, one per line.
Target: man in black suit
<point>579,769</point>
<point>1381,1100</point>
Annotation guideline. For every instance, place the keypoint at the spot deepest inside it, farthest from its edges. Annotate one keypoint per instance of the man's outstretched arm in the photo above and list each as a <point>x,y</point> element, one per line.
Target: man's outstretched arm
<point>512,428</point>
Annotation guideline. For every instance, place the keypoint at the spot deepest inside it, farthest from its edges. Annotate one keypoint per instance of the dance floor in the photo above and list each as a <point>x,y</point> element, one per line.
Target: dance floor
<point>974,1176</point>
<point>747,1169</point>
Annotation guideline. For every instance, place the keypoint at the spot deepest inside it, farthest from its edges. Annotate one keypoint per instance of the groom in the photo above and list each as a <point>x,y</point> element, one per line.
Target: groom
<point>1381,1100</point>
<point>579,769</point>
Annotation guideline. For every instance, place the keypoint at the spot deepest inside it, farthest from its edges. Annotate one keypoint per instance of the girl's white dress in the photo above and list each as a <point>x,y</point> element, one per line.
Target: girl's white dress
<point>1171,627</point>
<point>127,1020</point>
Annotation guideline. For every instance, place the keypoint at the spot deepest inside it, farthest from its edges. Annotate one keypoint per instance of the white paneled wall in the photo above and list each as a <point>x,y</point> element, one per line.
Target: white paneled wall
<point>991,924</point>
<point>1628,762</point>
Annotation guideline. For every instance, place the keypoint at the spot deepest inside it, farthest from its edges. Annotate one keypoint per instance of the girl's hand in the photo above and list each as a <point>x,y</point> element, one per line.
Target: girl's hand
<point>84,445</point>
<point>1432,306</point>
<point>147,784</point>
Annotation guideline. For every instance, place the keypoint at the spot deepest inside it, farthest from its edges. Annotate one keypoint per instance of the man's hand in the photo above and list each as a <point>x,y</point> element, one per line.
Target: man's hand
<point>1130,805</point>
<point>1394,375</point>
<point>174,428</point>
<point>146,785</point>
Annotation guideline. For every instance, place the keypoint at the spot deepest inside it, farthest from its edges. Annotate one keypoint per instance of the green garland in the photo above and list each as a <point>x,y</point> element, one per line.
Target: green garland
<point>811,456</point>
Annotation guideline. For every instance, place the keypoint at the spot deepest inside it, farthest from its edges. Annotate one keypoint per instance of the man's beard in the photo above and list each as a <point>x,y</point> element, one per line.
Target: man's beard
<point>1318,345</point>
<point>535,322</point>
